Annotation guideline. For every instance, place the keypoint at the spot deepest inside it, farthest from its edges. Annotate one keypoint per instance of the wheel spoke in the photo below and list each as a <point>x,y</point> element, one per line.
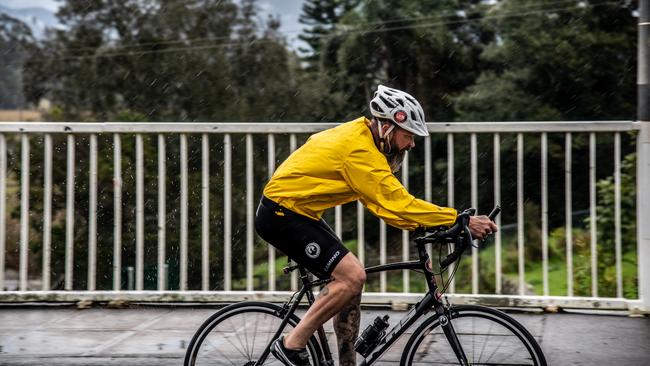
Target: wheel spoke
<point>246,336</point>
<point>488,337</point>
<point>227,341</point>
<point>238,349</point>
<point>269,334</point>
<point>255,330</point>
<point>485,343</point>
<point>473,340</point>
<point>221,353</point>
<point>495,349</point>
<point>241,342</point>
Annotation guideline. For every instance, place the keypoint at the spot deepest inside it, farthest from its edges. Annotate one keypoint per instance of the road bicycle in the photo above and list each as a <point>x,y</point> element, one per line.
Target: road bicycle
<point>241,334</point>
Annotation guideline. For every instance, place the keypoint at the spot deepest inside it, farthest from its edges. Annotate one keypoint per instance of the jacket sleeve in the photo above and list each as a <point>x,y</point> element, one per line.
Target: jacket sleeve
<point>383,194</point>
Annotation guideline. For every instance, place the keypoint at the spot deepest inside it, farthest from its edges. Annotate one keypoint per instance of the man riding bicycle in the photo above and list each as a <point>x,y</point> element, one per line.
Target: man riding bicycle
<point>353,161</point>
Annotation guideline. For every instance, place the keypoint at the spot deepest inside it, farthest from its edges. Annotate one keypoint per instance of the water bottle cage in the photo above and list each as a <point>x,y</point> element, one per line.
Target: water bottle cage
<point>371,336</point>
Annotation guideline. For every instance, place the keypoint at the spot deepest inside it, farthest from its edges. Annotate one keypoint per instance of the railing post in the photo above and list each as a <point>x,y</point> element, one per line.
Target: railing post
<point>24,213</point>
<point>205,213</point>
<point>182,281</point>
<point>643,156</point>
<point>643,215</point>
<point>227,213</point>
<point>117,212</point>
<point>271,169</point>
<point>162,214</point>
<point>250,235</point>
<point>3,207</point>
<point>139,213</point>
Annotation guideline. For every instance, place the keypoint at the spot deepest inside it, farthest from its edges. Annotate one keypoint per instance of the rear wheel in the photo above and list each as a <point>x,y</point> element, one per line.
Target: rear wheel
<point>238,335</point>
<point>487,336</point>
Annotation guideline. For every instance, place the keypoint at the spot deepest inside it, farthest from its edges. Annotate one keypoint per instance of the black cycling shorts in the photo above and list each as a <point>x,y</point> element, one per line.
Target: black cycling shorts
<point>310,243</point>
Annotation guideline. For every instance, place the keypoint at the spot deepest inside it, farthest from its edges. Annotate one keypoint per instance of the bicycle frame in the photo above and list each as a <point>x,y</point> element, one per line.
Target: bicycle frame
<point>430,301</point>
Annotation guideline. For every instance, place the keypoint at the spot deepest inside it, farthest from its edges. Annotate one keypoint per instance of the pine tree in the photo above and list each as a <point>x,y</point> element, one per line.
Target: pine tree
<point>322,16</point>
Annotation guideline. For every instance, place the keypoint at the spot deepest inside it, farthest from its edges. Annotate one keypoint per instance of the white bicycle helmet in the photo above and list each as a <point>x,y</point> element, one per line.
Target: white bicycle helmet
<point>400,108</point>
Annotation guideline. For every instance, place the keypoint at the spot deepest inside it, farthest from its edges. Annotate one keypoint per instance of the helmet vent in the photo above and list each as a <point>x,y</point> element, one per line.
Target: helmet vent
<point>413,116</point>
<point>400,101</point>
<point>411,99</point>
<point>388,103</point>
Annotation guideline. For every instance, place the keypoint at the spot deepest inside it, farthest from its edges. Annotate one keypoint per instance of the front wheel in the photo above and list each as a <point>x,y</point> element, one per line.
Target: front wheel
<point>487,336</point>
<point>239,335</point>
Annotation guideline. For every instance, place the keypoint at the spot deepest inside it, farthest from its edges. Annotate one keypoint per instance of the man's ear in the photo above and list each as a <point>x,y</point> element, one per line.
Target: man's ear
<point>385,127</point>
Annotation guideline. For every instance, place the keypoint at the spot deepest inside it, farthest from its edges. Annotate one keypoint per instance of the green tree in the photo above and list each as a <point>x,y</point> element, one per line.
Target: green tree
<point>322,17</point>
<point>605,224</point>
<point>162,60</point>
<point>122,61</point>
<point>15,38</point>
<point>545,61</point>
<point>428,48</point>
<point>570,62</point>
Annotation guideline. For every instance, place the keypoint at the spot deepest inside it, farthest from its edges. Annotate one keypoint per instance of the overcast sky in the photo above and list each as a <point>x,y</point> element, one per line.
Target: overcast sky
<point>288,10</point>
<point>51,5</point>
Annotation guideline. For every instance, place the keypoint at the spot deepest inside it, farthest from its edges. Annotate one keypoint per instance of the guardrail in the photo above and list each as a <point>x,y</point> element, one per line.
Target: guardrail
<point>229,284</point>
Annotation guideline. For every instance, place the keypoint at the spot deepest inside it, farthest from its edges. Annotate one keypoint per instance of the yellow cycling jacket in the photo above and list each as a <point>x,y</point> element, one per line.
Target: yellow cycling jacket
<point>341,165</point>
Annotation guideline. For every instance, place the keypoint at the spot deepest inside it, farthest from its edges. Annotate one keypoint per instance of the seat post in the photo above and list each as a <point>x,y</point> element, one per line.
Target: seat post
<point>304,275</point>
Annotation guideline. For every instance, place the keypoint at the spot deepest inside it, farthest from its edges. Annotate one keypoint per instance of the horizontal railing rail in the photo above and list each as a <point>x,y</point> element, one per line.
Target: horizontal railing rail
<point>89,145</point>
<point>307,127</point>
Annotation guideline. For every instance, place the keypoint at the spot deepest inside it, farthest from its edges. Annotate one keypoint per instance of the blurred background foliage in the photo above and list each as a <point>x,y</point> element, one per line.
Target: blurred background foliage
<point>218,60</point>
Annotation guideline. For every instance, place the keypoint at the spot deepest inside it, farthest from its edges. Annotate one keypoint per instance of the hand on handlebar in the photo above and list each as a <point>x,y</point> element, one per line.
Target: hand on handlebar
<point>481,227</point>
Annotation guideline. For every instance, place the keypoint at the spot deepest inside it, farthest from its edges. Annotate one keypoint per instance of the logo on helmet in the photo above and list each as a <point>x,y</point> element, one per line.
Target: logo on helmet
<point>399,116</point>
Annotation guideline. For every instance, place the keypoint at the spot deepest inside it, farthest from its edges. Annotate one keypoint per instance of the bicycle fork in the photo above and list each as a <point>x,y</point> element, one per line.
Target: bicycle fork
<point>444,313</point>
<point>444,318</point>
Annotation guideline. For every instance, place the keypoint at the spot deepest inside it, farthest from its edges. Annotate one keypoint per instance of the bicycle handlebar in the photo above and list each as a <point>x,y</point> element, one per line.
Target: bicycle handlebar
<point>459,233</point>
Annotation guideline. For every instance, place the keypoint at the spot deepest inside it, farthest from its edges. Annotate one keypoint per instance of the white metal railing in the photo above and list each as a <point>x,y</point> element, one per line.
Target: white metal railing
<point>224,131</point>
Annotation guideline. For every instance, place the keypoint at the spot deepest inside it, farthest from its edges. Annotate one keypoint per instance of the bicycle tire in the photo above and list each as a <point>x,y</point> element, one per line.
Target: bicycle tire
<point>429,345</point>
<point>262,317</point>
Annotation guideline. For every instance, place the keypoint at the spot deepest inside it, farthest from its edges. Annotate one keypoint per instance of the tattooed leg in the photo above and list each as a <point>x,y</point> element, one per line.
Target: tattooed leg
<point>323,292</point>
<point>346,327</point>
<point>349,277</point>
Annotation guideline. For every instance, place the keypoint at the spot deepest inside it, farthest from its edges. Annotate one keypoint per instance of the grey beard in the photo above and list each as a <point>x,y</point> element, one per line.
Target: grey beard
<point>395,160</point>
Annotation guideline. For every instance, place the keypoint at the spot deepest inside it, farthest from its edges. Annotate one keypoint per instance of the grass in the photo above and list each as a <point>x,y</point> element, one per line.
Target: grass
<point>557,274</point>
<point>533,275</point>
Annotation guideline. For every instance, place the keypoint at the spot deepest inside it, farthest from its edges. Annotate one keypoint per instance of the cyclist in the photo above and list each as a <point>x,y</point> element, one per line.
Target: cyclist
<point>353,161</point>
